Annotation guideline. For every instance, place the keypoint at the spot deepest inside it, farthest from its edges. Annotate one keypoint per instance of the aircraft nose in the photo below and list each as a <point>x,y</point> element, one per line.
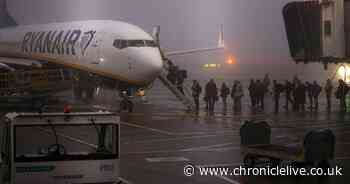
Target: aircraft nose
<point>149,63</point>
<point>154,60</point>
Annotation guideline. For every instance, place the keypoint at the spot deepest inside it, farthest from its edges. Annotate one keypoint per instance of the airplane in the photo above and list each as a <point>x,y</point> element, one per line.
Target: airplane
<point>113,49</point>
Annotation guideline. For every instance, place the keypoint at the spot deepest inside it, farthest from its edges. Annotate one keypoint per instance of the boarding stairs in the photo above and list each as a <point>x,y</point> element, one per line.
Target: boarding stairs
<point>185,98</point>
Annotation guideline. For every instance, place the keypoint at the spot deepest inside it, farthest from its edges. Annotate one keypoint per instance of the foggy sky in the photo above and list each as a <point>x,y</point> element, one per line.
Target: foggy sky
<point>254,29</point>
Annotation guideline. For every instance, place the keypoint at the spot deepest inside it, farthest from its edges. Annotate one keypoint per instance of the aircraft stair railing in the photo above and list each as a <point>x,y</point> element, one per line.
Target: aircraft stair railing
<point>185,99</point>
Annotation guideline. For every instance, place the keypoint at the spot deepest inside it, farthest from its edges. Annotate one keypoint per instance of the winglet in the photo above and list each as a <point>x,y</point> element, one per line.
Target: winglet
<point>221,43</point>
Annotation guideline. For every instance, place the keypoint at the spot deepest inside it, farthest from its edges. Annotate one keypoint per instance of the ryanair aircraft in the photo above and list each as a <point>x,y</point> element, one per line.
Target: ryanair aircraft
<point>112,49</point>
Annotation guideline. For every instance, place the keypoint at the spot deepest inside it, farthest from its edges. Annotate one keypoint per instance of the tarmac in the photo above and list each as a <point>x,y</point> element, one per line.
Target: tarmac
<point>160,138</point>
<point>158,141</point>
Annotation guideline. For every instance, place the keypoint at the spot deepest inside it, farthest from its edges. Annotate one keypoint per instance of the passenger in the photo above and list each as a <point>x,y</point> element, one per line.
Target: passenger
<point>260,94</point>
<point>295,94</point>
<point>224,92</point>
<point>288,86</point>
<point>267,82</point>
<point>237,94</point>
<point>309,90</point>
<point>211,92</point>
<point>252,93</point>
<point>277,90</point>
<point>316,91</point>
<point>179,81</point>
<point>341,93</point>
<point>172,75</point>
<point>125,103</point>
<point>329,89</point>
<point>301,96</point>
<point>196,92</point>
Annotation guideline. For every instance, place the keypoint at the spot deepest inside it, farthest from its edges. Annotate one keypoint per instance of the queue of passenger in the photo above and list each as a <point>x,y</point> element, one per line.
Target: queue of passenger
<point>301,96</point>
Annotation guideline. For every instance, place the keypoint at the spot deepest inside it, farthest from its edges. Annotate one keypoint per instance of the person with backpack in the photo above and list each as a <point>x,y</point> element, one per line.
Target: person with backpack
<point>316,91</point>
<point>211,92</point>
<point>224,92</point>
<point>329,89</point>
<point>341,93</point>
<point>196,92</point>
<point>277,90</point>
<point>237,94</point>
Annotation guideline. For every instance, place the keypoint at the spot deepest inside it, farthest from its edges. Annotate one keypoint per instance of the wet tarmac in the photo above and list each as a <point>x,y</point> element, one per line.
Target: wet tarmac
<point>156,147</point>
<point>160,138</point>
<point>157,144</point>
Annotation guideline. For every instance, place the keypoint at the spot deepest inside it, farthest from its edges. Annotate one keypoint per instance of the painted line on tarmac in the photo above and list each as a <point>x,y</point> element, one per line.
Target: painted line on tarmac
<point>223,178</point>
<point>208,147</point>
<point>147,128</point>
<point>222,165</point>
<point>125,181</point>
<point>183,150</point>
<point>229,130</point>
<point>178,138</point>
<point>167,159</point>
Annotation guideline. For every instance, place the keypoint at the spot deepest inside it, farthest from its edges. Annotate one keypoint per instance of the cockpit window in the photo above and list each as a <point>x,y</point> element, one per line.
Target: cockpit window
<point>136,43</point>
<point>121,44</point>
<point>150,43</point>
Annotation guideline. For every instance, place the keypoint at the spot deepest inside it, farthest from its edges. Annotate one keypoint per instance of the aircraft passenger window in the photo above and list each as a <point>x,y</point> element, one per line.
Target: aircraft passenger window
<point>116,43</point>
<point>120,44</point>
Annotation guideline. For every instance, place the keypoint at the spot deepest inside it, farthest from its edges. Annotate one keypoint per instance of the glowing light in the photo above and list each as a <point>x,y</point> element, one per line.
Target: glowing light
<point>212,65</point>
<point>141,92</point>
<point>344,72</point>
<point>231,60</point>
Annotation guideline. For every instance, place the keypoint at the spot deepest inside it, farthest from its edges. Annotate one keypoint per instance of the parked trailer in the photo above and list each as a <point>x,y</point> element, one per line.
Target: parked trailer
<point>54,148</point>
<point>317,149</point>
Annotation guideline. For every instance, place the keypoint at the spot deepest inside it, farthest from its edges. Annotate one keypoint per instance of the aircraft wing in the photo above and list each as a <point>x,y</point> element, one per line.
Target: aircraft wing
<point>221,44</point>
<point>191,51</point>
<point>18,61</point>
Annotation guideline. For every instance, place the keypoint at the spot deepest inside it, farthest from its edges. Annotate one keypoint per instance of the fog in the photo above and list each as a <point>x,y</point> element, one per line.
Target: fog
<point>254,30</point>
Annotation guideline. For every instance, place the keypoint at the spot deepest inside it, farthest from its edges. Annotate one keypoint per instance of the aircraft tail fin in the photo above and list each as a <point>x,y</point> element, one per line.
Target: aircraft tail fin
<point>6,20</point>
<point>221,43</point>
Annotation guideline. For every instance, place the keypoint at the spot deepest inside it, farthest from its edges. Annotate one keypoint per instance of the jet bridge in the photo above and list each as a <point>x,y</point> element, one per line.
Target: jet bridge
<point>318,30</point>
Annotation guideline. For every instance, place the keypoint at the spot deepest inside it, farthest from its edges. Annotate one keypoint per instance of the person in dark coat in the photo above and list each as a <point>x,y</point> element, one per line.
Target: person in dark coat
<point>260,94</point>
<point>196,92</point>
<point>341,93</point>
<point>309,91</point>
<point>316,91</point>
<point>329,90</point>
<point>277,90</point>
<point>301,96</point>
<point>211,92</point>
<point>252,92</point>
<point>237,94</point>
<point>224,92</point>
<point>288,87</point>
<point>179,81</point>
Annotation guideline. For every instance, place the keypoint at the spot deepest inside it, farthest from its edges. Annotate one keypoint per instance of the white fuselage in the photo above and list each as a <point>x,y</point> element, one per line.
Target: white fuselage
<point>112,49</point>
